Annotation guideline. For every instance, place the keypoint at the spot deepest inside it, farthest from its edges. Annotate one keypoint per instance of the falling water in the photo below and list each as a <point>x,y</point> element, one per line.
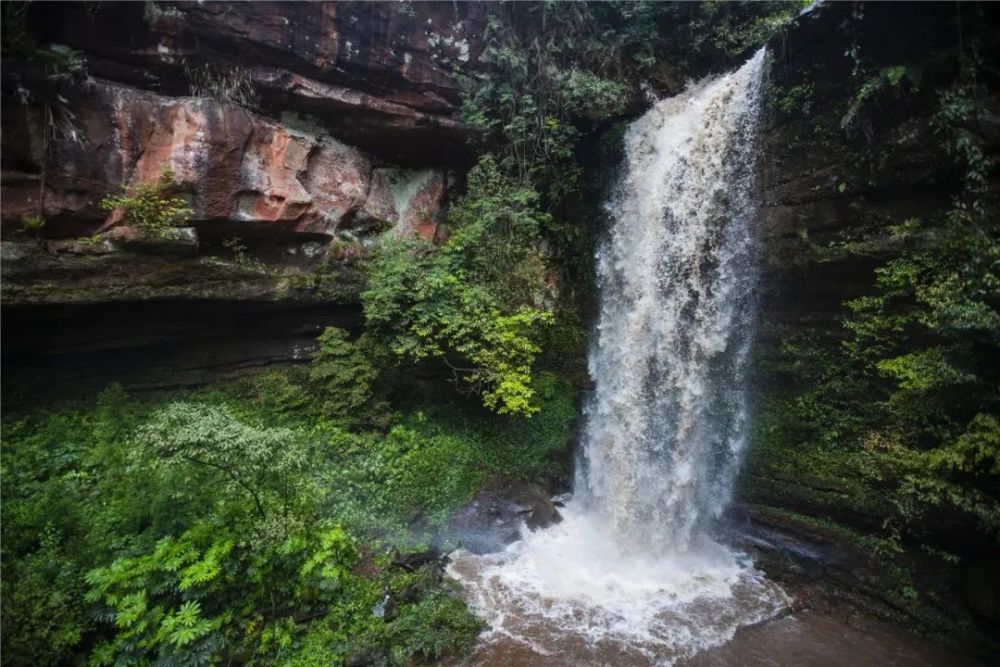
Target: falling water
<point>666,426</point>
<point>632,576</point>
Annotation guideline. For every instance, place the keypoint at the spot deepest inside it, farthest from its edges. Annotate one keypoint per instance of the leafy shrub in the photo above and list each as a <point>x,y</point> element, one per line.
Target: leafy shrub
<point>280,397</point>
<point>419,621</point>
<point>516,446</point>
<point>151,206</point>
<point>795,100</point>
<point>436,625</point>
<point>251,465</point>
<point>386,484</point>
<point>531,98</point>
<point>199,535</point>
<point>43,592</point>
<point>475,303</point>
<point>187,601</point>
<point>342,374</point>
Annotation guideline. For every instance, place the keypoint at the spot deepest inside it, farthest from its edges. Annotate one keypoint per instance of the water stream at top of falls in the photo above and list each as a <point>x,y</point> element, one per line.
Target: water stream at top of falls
<point>632,574</point>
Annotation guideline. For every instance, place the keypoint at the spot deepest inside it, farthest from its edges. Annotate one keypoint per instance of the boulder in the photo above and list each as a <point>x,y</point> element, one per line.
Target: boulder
<point>496,515</point>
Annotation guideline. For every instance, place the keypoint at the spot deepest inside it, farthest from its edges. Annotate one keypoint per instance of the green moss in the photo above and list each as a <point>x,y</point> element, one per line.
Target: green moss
<point>794,100</point>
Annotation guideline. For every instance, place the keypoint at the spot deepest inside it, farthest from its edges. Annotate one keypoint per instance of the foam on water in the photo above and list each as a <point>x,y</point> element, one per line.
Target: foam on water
<point>631,575</point>
<point>570,596</point>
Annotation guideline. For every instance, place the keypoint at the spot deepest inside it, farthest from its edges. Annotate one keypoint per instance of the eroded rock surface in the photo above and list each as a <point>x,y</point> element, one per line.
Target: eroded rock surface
<point>315,126</point>
<point>297,132</point>
<point>245,176</point>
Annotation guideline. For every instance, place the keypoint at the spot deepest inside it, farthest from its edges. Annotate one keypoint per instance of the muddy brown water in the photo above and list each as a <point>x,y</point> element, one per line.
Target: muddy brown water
<point>812,639</point>
<point>805,639</point>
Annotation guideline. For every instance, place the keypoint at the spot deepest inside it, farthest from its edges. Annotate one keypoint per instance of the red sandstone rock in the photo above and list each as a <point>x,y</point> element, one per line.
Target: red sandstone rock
<point>354,124</point>
<point>409,200</point>
<point>233,166</point>
<point>377,75</point>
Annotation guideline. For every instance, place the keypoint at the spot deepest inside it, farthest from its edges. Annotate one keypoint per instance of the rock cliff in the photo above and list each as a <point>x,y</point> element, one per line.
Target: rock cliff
<point>840,166</point>
<point>296,132</point>
<point>299,130</point>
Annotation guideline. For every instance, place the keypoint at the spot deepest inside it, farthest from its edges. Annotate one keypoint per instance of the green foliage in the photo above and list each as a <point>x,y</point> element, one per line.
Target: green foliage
<point>32,222</point>
<point>534,448</point>
<point>240,255</point>
<point>249,462</point>
<point>61,63</point>
<point>535,87</point>
<point>735,29</point>
<point>151,206</point>
<point>243,524</point>
<point>553,68</point>
<point>434,624</point>
<point>908,403</point>
<point>477,302</point>
<point>553,77</point>
<point>910,398</point>
<point>207,595</point>
<point>957,121</point>
<point>43,590</point>
<point>49,531</point>
<point>871,89</point>
<point>280,398</point>
<point>795,101</point>
<point>341,373</point>
<point>207,528</point>
<point>385,484</point>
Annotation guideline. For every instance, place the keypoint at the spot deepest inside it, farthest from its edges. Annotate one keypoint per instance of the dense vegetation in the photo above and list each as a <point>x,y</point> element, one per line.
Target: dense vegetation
<point>476,302</point>
<point>891,426</point>
<point>275,520</point>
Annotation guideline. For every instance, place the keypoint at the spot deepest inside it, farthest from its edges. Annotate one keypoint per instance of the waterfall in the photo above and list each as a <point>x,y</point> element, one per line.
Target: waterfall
<point>632,574</point>
<point>666,425</point>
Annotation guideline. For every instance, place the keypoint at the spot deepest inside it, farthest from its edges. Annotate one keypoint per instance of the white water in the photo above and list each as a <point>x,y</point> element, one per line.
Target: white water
<point>631,576</point>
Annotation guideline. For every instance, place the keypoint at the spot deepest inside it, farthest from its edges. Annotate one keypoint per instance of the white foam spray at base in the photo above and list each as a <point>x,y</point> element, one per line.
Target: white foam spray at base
<point>631,575</point>
<point>568,596</point>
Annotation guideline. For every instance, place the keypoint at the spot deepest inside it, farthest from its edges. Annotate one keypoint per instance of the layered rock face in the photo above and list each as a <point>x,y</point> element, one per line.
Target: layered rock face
<point>318,125</point>
<point>377,74</point>
<point>296,132</point>
<point>838,167</point>
<point>351,130</point>
<point>280,186</point>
